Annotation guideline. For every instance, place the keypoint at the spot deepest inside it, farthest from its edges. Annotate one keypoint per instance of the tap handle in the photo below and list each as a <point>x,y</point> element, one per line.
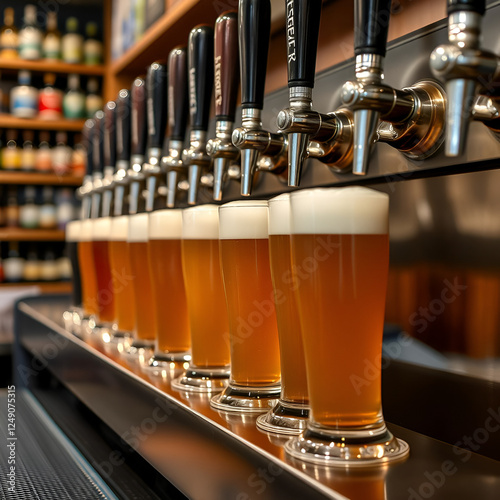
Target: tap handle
<point>87,132</point>
<point>478,6</point>
<point>302,30</point>
<point>156,91</point>
<point>97,141</point>
<point>138,129</point>
<point>109,134</point>
<point>226,66</point>
<point>123,125</point>
<point>177,93</point>
<point>201,75</point>
<point>371,24</point>
<point>254,20</point>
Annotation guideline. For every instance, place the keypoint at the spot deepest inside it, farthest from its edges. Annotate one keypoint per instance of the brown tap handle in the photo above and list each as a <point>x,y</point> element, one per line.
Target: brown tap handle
<point>177,93</point>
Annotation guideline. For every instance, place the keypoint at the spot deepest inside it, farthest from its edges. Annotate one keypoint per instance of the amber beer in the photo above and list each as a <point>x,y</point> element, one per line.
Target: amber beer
<point>121,274</point>
<point>101,229</point>
<point>87,269</point>
<point>244,249</point>
<point>145,312</point>
<point>293,369</point>
<point>204,289</point>
<point>340,244</point>
<point>169,295</point>
<point>73,235</point>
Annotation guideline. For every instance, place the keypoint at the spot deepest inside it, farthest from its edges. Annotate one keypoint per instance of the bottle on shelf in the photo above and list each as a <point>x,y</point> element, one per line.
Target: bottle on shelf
<point>65,207</point>
<point>48,210</point>
<point>44,153</point>
<point>78,157</point>
<point>50,99</point>
<point>92,47</point>
<point>72,42</point>
<point>9,36</point>
<point>29,211</point>
<point>13,265</point>
<point>30,35</point>
<point>12,208</point>
<point>32,265</point>
<point>11,152</point>
<point>74,99</point>
<point>61,154</point>
<point>93,101</point>
<point>28,153</point>
<point>49,270</point>
<point>64,270</point>
<point>24,97</point>
<point>51,46</point>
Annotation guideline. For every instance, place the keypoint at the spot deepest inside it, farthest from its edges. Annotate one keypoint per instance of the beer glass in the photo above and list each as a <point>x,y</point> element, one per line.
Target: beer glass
<point>87,270</point>
<point>209,367</point>
<point>289,416</point>
<point>144,326</point>
<point>73,316</point>
<point>254,383</point>
<point>168,293</point>
<point>340,245</point>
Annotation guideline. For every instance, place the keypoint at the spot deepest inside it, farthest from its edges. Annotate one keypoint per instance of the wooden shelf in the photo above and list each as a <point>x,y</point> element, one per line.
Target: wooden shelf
<point>45,286</point>
<point>21,234</point>
<point>171,29</point>
<point>9,121</point>
<point>16,177</point>
<point>43,66</point>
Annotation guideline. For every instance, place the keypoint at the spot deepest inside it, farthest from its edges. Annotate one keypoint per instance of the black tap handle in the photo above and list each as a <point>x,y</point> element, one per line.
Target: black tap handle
<point>87,133</point>
<point>226,68</point>
<point>97,141</point>
<point>177,93</point>
<point>156,90</point>
<point>254,28</point>
<point>371,24</point>
<point>138,130</point>
<point>201,75</point>
<point>123,125</point>
<point>302,30</point>
<point>110,134</point>
<point>478,6</point>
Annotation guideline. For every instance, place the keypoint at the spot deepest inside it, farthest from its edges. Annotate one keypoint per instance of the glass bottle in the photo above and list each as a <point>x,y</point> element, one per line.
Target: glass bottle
<point>49,270</point>
<point>12,208</point>
<point>32,268</point>
<point>24,97</point>
<point>92,47</point>
<point>29,211</point>
<point>13,265</point>
<point>65,207</point>
<point>30,36</point>
<point>11,152</point>
<point>74,99</point>
<point>78,158</point>
<point>28,153</point>
<point>61,154</point>
<point>9,36</point>
<point>93,101</point>
<point>48,210</point>
<point>51,46</point>
<point>44,153</point>
<point>50,99</point>
<point>72,42</point>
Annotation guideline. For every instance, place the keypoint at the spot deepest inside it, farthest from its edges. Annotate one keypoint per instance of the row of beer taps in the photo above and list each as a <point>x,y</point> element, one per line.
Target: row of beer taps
<point>129,160</point>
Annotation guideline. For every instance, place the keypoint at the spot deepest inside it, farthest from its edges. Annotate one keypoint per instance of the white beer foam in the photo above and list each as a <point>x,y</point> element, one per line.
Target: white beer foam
<point>345,210</point>
<point>165,224</point>
<point>200,223</point>
<point>119,228</point>
<point>137,228</point>
<point>73,230</point>
<point>279,214</point>
<point>243,220</point>
<point>86,230</point>
<point>101,229</point>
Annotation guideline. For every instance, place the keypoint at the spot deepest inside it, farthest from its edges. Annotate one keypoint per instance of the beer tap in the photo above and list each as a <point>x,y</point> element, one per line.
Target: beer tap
<point>463,65</point>
<point>97,161</point>
<point>156,90</point>
<point>109,155</point>
<point>221,148</point>
<point>177,119</point>
<point>201,80</point>
<point>138,134</point>
<point>413,117</point>
<point>122,149</point>
<point>85,191</point>
<point>259,148</point>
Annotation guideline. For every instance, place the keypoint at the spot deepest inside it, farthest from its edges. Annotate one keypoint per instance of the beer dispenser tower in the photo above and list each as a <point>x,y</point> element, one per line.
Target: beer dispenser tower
<point>201,79</point>
<point>109,155</point>
<point>97,162</point>
<point>85,191</point>
<point>221,148</point>
<point>172,164</point>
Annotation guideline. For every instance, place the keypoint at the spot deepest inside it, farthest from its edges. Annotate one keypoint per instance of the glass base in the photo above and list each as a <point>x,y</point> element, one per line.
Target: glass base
<point>350,449</point>
<point>72,319</point>
<point>285,418</point>
<point>202,379</point>
<point>137,350</point>
<point>246,399</point>
<point>112,339</point>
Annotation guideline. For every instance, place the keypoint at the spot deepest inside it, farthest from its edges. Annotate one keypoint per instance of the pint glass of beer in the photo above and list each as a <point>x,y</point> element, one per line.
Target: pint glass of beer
<point>254,383</point>
<point>168,293</point>
<point>87,270</point>
<point>144,328</point>
<point>73,316</point>
<point>209,367</point>
<point>290,414</point>
<point>340,252</point>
